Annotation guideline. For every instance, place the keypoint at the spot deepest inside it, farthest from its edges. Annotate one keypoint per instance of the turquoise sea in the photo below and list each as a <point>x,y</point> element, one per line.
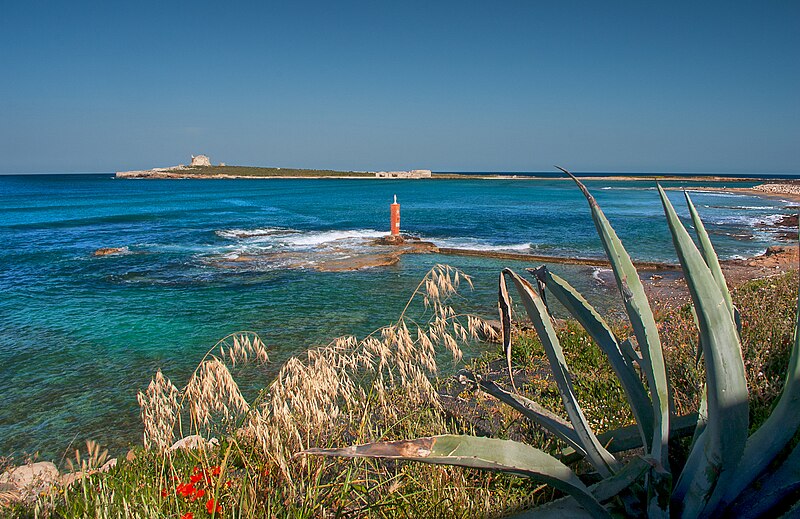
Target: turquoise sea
<point>80,334</point>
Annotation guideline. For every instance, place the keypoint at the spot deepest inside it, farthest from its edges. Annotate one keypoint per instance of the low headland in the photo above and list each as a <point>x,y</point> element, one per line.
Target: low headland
<point>785,189</point>
<point>230,172</point>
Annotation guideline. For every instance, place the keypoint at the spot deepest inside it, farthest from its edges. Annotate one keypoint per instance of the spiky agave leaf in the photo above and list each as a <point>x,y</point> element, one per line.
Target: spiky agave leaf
<point>711,259</point>
<point>641,317</point>
<point>504,305</point>
<point>646,332</point>
<point>596,454</point>
<point>599,330</point>
<point>773,435</point>
<point>604,490</point>
<point>481,453</point>
<point>773,490</point>
<point>719,448</point>
<point>535,413</point>
<point>628,437</point>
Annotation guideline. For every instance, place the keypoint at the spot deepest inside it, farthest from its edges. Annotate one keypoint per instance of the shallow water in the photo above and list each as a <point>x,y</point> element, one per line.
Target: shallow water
<point>80,334</point>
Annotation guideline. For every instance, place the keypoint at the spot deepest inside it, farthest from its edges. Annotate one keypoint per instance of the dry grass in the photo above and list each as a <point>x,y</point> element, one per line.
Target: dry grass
<point>93,459</point>
<point>349,391</point>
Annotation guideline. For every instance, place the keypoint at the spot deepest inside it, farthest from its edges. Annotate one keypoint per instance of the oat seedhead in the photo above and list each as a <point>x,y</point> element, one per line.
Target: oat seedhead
<point>337,389</point>
<point>93,460</point>
<point>347,389</point>
<point>241,347</point>
<point>213,391</point>
<point>159,412</point>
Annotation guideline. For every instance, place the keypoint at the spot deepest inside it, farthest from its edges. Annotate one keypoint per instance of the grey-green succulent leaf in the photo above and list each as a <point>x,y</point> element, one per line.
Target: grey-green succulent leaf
<point>642,321</point>
<point>535,413</point>
<point>481,453</point>
<point>772,492</point>
<point>701,488</point>
<point>710,256</point>
<point>603,491</point>
<point>634,359</point>
<point>628,437</point>
<point>599,330</point>
<point>504,305</point>
<point>596,454</point>
<point>773,435</point>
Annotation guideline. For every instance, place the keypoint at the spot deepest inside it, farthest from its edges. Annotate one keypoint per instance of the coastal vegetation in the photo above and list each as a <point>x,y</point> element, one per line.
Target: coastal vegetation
<point>252,171</point>
<point>723,459</point>
<point>382,388</point>
<point>240,171</point>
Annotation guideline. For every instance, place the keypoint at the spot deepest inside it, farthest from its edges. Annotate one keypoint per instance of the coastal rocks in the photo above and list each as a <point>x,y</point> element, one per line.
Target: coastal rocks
<point>410,242</point>
<point>775,260</point>
<point>784,229</point>
<point>392,239</point>
<point>784,188</point>
<point>790,220</point>
<point>27,481</point>
<point>107,251</point>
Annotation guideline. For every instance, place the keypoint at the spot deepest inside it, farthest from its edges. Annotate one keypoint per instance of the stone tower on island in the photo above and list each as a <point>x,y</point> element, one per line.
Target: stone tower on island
<point>200,160</point>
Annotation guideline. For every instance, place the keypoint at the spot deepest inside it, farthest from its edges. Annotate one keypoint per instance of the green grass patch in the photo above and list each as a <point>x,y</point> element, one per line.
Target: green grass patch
<point>251,171</point>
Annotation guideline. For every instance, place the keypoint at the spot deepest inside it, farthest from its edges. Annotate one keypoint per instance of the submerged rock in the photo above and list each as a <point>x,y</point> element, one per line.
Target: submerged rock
<point>105,251</point>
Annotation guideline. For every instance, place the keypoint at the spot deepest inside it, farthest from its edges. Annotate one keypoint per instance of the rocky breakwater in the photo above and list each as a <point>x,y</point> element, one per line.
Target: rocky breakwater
<point>780,188</point>
<point>391,248</point>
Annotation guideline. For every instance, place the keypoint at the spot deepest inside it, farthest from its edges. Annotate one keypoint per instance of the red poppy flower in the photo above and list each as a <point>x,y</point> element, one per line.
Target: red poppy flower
<point>216,470</point>
<point>228,483</point>
<point>185,489</point>
<point>195,470</point>
<point>196,478</point>
<point>187,515</point>
<point>163,492</point>
<point>212,506</point>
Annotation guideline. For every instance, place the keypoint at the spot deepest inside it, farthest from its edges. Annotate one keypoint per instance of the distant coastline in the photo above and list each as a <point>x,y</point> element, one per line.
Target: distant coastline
<point>230,172</point>
<point>786,188</point>
<point>234,172</point>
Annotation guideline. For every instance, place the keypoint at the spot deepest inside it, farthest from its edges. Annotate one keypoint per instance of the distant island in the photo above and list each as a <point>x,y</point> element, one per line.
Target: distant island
<point>201,167</point>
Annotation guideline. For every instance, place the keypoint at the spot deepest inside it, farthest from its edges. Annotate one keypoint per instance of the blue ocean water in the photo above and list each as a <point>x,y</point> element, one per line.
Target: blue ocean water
<point>80,334</point>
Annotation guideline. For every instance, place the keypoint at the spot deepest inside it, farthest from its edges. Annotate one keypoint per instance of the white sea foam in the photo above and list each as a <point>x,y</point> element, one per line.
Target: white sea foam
<point>475,244</point>
<point>239,234</point>
<point>718,194</point>
<point>748,220</point>
<point>314,238</point>
<point>626,188</point>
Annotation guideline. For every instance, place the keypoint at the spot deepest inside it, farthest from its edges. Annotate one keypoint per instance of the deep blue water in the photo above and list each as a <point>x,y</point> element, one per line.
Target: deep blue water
<point>80,334</point>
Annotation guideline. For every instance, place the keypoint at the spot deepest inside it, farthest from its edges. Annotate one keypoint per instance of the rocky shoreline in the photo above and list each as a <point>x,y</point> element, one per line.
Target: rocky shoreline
<point>787,190</point>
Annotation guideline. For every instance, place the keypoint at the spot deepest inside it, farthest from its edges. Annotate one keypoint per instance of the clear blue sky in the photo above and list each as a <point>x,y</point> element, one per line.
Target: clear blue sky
<point>459,86</point>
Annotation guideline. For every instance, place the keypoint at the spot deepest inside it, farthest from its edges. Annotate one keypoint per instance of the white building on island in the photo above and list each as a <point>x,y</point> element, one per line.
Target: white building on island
<point>414,173</point>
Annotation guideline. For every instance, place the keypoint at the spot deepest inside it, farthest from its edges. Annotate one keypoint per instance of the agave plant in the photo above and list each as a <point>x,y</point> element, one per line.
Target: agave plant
<point>726,472</point>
